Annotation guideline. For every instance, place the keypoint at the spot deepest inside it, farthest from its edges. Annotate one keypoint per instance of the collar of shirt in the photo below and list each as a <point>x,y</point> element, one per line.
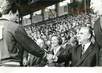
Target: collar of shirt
<point>86,46</point>
<point>56,49</point>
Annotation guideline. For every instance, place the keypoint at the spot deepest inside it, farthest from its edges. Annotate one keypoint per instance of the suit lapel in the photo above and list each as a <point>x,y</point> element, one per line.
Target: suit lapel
<point>79,52</point>
<point>59,51</point>
<point>84,56</point>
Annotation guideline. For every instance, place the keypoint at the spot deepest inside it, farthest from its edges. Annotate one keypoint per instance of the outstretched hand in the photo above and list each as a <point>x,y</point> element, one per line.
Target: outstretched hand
<point>51,58</point>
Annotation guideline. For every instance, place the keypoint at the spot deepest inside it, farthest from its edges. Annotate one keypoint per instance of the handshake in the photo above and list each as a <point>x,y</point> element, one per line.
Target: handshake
<point>51,58</point>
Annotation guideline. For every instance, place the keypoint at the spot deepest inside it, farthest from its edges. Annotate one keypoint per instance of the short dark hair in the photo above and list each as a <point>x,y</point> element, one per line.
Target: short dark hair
<point>9,6</point>
<point>14,8</point>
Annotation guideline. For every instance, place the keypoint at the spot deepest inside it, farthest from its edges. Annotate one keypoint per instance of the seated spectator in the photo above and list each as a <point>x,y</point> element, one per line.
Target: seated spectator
<point>56,49</point>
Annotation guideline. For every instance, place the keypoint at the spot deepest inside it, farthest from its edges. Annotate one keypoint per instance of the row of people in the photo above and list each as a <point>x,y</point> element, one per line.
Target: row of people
<point>14,41</point>
<point>61,25</point>
<point>80,51</point>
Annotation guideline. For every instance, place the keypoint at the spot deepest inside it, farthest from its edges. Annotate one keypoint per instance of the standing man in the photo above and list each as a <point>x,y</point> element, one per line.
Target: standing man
<point>96,5</point>
<point>85,54</point>
<point>13,38</point>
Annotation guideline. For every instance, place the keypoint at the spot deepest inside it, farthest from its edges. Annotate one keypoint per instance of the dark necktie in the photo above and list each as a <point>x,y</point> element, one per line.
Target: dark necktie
<point>82,49</point>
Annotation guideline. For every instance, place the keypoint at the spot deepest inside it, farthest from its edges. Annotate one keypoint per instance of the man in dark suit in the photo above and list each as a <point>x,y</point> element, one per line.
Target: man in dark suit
<point>96,5</point>
<point>84,54</point>
<point>13,38</point>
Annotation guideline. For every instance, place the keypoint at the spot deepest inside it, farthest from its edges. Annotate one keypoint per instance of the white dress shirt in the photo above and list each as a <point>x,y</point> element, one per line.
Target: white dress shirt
<point>86,47</point>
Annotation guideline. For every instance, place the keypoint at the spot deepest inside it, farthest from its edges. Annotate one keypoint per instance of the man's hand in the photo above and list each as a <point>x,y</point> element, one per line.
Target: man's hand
<point>55,58</point>
<point>25,62</point>
<point>51,58</point>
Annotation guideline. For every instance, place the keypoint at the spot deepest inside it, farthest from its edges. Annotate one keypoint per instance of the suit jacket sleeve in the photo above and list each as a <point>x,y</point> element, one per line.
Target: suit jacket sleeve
<point>27,43</point>
<point>65,55</point>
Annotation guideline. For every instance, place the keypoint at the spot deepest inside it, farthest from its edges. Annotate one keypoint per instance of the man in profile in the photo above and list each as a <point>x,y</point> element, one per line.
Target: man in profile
<point>84,54</point>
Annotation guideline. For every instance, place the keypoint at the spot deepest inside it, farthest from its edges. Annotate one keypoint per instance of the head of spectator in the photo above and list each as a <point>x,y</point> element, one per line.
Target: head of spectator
<point>56,41</point>
<point>96,5</point>
<point>84,35</point>
<point>41,43</point>
<point>73,41</point>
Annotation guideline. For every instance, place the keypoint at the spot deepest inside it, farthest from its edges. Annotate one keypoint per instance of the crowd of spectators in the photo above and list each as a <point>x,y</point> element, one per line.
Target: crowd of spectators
<point>65,27</point>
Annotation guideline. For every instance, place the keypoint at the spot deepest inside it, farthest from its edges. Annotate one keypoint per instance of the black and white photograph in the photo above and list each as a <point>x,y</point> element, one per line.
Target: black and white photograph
<point>50,34</point>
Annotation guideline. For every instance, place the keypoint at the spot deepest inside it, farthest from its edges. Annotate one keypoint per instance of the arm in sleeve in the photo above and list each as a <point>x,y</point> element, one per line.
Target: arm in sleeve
<point>65,55</point>
<point>27,43</point>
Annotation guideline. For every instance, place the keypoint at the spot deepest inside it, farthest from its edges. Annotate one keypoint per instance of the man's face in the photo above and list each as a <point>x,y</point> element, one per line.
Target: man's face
<point>96,5</point>
<point>83,35</point>
<point>54,41</point>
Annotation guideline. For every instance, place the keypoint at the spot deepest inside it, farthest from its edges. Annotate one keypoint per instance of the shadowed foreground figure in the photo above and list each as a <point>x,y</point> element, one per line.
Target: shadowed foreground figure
<point>96,5</point>
<point>13,38</point>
